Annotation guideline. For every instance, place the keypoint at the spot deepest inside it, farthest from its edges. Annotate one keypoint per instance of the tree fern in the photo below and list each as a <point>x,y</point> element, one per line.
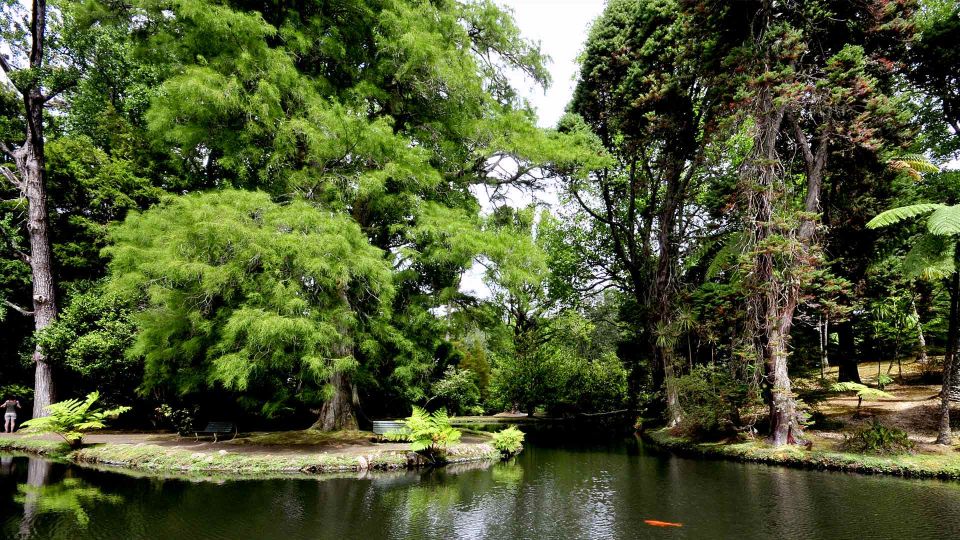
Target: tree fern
<point>945,221</point>
<point>896,215</point>
<point>913,165</point>
<point>931,257</point>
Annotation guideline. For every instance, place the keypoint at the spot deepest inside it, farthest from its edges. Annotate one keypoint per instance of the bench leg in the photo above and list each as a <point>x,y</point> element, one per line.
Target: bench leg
<point>214,437</point>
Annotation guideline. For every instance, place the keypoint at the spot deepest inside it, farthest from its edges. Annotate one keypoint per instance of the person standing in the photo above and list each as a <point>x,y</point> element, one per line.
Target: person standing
<point>10,414</point>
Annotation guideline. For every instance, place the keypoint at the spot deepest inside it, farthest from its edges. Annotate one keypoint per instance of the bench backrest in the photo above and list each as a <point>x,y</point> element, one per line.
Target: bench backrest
<point>219,427</point>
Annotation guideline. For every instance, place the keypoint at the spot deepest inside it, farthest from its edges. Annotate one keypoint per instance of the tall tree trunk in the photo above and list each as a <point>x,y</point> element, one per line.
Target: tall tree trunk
<point>944,436</point>
<point>339,411</point>
<point>30,164</point>
<point>784,428</point>
<point>846,357</point>
<point>30,179</point>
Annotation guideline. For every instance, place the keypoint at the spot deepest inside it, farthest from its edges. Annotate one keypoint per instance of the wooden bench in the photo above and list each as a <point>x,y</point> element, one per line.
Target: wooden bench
<point>382,427</point>
<point>216,429</point>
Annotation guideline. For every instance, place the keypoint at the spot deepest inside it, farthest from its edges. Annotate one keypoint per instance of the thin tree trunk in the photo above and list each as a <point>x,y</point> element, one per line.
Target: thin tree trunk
<point>921,340</point>
<point>944,436</point>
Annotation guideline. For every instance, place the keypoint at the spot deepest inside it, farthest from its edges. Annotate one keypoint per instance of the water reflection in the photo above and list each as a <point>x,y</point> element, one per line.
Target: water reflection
<point>547,492</point>
<point>68,496</point>
<point>7,466</point>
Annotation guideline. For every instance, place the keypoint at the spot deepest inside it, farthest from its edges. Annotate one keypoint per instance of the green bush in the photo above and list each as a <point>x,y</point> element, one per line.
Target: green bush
<point>458,389</point>
<point>876,438</point>
<point>428,434</point>
<point>713,403</point>
<point>72,418</point>
<point>508,441</point>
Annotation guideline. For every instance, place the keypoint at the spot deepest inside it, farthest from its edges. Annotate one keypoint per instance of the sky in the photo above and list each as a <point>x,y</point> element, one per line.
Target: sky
<point>560,26</point>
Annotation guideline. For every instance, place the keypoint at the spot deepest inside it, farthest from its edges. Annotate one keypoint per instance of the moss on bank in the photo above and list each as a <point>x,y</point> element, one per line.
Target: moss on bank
<point>160,459</point>
<point>40,447</point>
<point>945,466</point>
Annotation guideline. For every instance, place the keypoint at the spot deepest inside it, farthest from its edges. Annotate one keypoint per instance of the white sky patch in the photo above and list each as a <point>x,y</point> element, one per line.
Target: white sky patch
<point>561,27</point>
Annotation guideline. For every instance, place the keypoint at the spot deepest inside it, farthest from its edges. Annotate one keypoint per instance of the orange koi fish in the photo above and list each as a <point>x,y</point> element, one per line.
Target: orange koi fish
<point>656,523</point>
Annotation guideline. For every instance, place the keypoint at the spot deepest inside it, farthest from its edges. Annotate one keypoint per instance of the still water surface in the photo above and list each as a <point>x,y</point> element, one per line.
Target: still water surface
<point>604,491</point>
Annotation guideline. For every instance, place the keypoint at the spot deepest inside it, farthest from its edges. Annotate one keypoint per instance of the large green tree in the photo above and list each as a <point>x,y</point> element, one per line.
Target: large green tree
<point>277,302</point>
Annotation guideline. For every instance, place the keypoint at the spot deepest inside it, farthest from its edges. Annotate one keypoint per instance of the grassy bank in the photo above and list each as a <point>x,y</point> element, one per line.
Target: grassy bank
<point>229,460</point>
<point>918,465</point>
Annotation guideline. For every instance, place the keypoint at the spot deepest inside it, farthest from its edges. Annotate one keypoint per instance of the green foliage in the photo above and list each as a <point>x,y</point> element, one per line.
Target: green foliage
<point>72,418</point>
<point>428,434</point>
<point>16,391</point>
<point>876,438</point>
<point>458,390</point>
<point>569,373</point>
<point>896,215</point>
<point>883,380</point>
<point>508,441</point>
<point>68,496</point>
<point>90,338</point>
<point>237,291</point>
<point>713,403</point>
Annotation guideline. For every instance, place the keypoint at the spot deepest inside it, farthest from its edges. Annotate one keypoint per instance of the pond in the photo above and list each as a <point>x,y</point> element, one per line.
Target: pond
<point>600,491</point>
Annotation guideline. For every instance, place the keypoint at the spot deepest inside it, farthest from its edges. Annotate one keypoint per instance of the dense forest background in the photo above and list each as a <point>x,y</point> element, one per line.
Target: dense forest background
<point>266,211</point>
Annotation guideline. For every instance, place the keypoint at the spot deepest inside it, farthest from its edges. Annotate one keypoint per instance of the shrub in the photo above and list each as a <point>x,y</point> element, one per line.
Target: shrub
<point>181,420</point>
<point>508,441</point>
<point>877,438</point>
<point>713,402</point>
<point>428,434</point>
<point>458,389</point>
<point>72,418</point>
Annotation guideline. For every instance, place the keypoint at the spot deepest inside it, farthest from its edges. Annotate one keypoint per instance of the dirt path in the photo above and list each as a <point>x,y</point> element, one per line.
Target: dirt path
<point>914,406</point>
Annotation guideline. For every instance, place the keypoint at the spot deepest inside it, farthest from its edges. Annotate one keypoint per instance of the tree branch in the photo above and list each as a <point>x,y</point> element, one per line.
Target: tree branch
<point>22,311</point>
<point>12,178</point>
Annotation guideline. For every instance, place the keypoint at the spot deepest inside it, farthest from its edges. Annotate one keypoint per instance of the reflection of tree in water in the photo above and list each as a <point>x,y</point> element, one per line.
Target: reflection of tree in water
<point>7,466</point>
<point>68,496</point>
<point>510,473</point>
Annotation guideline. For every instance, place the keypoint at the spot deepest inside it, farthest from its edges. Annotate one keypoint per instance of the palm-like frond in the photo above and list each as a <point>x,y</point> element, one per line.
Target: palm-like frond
<point>931,257</point>
<point>913,165</point>
<point>896,215</point>
<point>945,221</point>
<point>72,418</point>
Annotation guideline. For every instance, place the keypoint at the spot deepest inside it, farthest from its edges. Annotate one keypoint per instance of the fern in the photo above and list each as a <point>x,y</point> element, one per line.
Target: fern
<point>945,221</point>
<point>896,215</point>
<point>863,392</point>
<point>508,441</point>
<point>428,434</point>
<point>931,257</point>
<point>72,418</point>
<point>914,165</point>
